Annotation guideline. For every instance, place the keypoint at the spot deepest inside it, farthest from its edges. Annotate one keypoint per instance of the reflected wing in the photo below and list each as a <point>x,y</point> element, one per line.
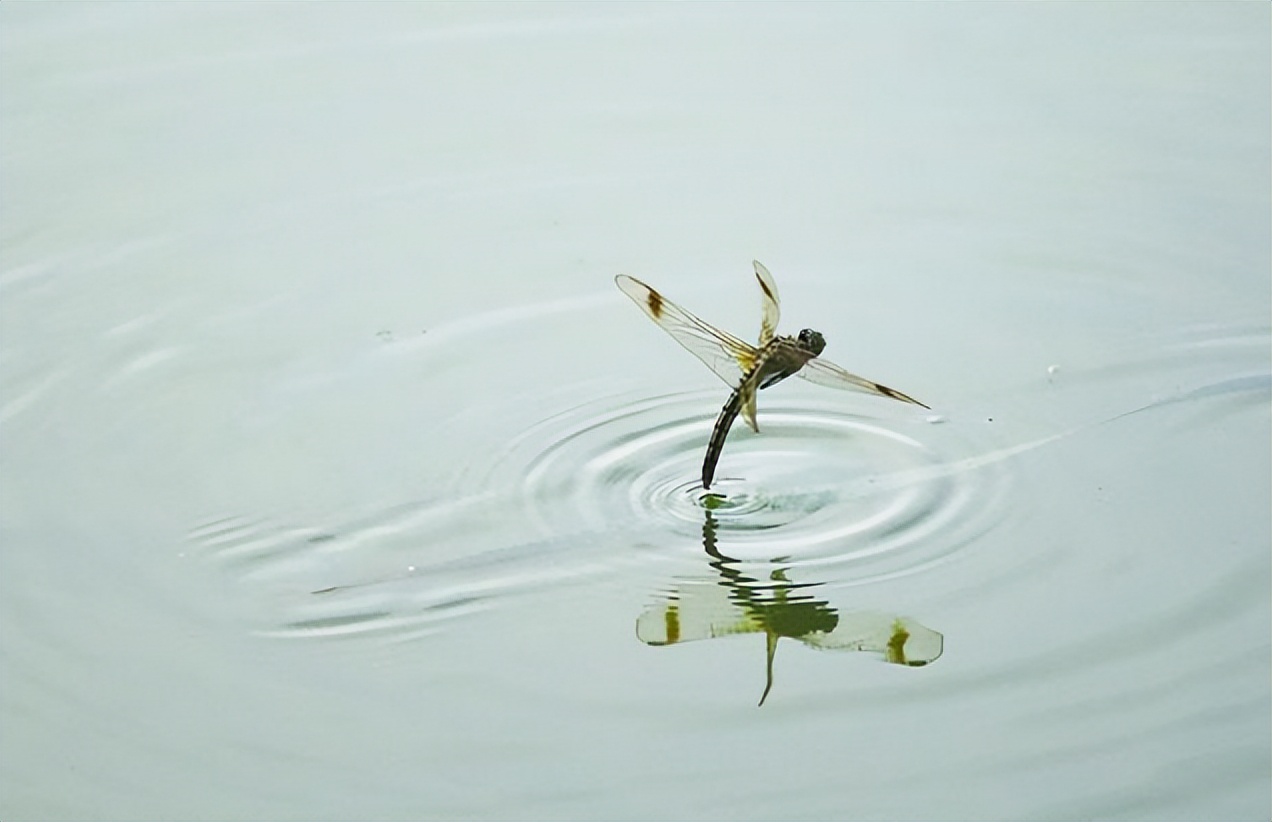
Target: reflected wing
<point>770,304</point>
<point>726,355</point>
<point>700,611</point>
<point>902,641</point>
<point>828,374</point>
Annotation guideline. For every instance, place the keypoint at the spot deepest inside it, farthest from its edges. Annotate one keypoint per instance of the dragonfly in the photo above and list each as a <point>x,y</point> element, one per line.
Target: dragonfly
<point>746,368</point>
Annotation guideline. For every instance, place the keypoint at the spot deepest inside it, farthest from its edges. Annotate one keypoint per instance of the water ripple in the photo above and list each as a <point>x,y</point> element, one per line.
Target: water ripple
<point>817,486</point>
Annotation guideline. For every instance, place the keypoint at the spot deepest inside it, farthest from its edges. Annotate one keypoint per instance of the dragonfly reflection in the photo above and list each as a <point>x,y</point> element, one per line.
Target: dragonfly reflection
<point>744,367</point>
<point>777,607</point>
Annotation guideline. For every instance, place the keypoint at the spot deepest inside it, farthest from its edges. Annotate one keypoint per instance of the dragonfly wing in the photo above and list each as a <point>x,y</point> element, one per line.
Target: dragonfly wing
<point>826,373</point>
<point>694,611</point>
<point>900,640</point>
<point>770,304</point>
<point>726,355</point>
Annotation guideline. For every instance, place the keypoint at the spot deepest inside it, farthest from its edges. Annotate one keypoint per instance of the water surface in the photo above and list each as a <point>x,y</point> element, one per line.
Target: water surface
<point>339,481</point>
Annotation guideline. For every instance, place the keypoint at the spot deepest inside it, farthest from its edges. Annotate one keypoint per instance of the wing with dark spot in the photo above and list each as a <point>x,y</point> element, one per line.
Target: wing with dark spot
<point>726,355</point>
<point>830,375</point>
<point>654,302</point>
<point>899,640</point>
<point>695,611</point>
<point>770,304</point>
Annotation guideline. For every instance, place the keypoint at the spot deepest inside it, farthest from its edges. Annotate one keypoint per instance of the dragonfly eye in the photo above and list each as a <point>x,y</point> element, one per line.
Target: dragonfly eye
<point>811,341</point>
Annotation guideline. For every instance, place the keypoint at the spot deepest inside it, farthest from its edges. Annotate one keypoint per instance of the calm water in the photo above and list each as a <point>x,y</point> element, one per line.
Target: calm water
<point>339,481</point>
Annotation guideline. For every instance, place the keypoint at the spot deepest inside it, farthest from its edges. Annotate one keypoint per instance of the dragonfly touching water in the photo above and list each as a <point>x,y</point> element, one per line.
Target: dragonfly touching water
<point>743,366</point>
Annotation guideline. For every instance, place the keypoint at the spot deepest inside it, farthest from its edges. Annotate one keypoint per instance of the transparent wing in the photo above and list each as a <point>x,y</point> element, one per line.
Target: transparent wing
<point>824,372</point>
<point>696,611</point>
<point>726,355</point>
<point>770,304</point>
<point>900,640</point>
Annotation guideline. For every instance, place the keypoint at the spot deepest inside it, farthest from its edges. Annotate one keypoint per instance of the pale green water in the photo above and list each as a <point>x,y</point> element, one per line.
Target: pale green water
<point>298,298</point>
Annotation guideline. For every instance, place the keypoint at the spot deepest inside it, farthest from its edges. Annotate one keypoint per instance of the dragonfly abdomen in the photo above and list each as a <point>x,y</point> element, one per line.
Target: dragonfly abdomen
<point>732,407</point>
<point>777,361</point>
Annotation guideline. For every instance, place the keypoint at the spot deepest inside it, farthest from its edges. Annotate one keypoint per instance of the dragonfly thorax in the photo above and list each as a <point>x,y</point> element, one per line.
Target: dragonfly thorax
<point>785,356</point>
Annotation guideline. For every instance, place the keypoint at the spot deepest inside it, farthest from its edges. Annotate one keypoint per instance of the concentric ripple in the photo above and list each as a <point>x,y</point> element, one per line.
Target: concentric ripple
<point>816,486</point>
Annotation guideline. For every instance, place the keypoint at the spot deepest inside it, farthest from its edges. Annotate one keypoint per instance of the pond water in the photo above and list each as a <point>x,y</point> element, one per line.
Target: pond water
<point>339,480</point>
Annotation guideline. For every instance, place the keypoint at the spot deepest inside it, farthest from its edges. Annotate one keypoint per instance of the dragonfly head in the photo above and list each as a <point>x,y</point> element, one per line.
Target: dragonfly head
<point>811,341</point>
